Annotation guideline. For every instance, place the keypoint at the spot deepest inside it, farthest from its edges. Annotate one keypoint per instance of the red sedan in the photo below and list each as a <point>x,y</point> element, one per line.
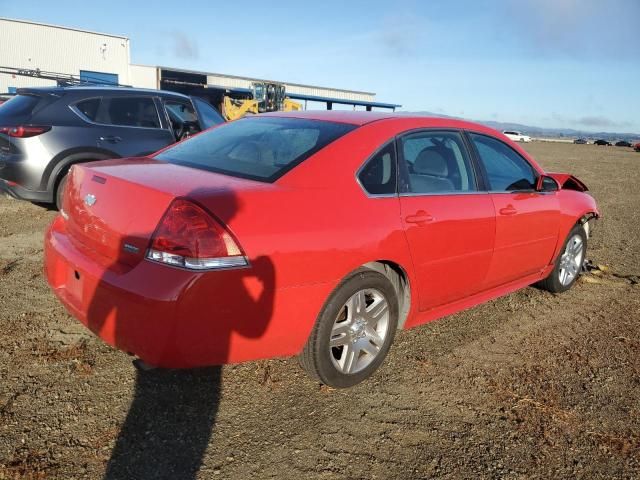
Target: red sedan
<point>311,234</point>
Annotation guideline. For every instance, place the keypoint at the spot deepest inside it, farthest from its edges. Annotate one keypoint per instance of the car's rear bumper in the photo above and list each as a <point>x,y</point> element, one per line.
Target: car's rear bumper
<point>175,318</point>
<point>21,193</point>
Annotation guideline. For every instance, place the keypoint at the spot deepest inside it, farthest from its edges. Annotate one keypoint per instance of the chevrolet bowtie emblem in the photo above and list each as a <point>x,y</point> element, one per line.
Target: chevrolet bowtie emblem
<point>90,200</point>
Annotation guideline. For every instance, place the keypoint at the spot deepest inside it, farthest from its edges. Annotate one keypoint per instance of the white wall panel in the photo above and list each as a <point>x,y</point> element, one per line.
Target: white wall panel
<point>61,50</point>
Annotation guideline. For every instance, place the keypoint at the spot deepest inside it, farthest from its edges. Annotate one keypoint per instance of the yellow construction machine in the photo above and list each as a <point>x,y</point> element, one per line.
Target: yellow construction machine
<point>266,97</point>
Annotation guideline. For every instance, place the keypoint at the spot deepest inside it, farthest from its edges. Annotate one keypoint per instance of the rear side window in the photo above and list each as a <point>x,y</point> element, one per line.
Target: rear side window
<point>263,148</point>
<point>89,108</point>
<point>19,106</point>
<point>128,112</point>
<point>506,170</point>
<point>378,176</point>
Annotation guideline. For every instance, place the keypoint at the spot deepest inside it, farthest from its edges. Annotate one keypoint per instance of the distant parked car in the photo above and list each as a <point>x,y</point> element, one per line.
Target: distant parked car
<point>623,143</point>
<point>602,142</point>
<point>43,131</point>
<point>516,136</point>
<point>636,147</point>
<point>580,141</point>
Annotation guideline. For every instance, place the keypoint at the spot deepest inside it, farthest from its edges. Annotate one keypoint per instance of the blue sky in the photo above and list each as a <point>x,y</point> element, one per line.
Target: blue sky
<point>553,63</point>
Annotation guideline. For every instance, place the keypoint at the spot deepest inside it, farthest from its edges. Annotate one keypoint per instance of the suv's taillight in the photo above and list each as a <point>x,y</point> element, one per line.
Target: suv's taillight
<point>24,131</point>
<point>189,237</point>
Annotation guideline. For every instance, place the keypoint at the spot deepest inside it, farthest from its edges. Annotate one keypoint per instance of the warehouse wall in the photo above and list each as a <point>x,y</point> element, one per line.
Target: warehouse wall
<point>231,81</point>
<point>61,50</point>
<point>143,76</point>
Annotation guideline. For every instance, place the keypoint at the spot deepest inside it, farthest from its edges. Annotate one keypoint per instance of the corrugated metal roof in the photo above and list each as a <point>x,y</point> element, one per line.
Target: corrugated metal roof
<point>64,28</point>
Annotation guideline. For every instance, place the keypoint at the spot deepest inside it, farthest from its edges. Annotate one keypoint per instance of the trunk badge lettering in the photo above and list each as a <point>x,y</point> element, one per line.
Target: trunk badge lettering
<point>127,247</point>
<point>90,200</point>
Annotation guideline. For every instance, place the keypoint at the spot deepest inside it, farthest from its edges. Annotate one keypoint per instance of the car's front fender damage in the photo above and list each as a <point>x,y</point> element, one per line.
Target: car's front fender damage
<point>588,222</point>
<point>569,182</point>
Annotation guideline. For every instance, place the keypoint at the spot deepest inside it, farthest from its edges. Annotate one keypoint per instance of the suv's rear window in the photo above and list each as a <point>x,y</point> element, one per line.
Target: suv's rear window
<point>262,148</point>
<point>19,106</point>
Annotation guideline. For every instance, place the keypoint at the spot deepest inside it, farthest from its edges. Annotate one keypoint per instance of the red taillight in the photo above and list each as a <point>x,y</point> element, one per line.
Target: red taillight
<point>24,131</point>
<point>189,237</point>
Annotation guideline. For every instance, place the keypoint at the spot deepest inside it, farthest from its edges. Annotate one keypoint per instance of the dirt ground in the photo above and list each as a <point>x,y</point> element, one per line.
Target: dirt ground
<point>532,385</point>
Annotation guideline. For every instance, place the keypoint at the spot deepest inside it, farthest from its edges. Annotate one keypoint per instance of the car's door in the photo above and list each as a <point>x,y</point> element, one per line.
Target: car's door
<point>527,221</point>
<point>449,223</point>
<point>130,126</point>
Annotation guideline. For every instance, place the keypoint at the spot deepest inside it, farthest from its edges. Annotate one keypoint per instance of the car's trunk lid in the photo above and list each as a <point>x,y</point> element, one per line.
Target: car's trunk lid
<point>112,208</point>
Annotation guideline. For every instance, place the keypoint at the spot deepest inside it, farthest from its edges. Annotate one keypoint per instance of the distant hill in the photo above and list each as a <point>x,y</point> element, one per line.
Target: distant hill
<point>541,131</point>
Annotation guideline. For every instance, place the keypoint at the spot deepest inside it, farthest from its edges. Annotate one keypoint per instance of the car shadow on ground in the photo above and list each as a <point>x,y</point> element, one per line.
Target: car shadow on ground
<point>173,412</point>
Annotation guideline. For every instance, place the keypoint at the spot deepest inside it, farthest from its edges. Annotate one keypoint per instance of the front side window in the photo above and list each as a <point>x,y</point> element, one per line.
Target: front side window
<point>262,148</point>
<point>506,170</point>
<point>378,176</point>
<point>435,162</point>
<point>180,112</point>
<point>183,118</point>
<point>128,112</point>
<point>209,116</point>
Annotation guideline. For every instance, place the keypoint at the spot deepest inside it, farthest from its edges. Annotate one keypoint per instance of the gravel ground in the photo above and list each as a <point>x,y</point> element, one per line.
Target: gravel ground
<point>532,385</point>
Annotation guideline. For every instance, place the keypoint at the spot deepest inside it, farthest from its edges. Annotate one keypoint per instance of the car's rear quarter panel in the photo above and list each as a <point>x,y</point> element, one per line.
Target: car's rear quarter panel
<point>303,235</point>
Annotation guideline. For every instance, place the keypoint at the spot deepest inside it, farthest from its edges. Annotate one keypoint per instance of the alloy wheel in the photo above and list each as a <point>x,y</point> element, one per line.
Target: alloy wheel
<point>359,331</point>
<point>571,260</point>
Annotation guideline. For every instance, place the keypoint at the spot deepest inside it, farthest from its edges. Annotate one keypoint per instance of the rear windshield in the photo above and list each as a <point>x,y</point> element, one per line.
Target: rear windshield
<point>259,148</point>
<point>19,106</point>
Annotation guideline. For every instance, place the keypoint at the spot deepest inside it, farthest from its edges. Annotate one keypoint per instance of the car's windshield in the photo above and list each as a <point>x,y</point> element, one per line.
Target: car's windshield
<point>260,148</point>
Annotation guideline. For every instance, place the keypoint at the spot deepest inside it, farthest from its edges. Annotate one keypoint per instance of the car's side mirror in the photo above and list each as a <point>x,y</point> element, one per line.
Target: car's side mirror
<point>547,184</point>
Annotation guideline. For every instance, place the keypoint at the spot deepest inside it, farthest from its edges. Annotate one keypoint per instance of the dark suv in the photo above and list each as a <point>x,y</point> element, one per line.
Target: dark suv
<point>43,131</point>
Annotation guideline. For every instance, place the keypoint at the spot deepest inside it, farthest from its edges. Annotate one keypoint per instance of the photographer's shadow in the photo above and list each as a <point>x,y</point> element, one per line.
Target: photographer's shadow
<point>172,416</point>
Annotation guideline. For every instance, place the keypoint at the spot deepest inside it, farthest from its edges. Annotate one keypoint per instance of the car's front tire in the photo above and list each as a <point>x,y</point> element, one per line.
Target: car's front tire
<point>569,262</point>
<point>354,330</point>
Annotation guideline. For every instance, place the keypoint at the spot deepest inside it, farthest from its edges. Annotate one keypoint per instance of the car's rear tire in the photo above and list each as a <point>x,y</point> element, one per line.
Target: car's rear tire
<point>569,262</point>
<point>354,330</point>
<point>60,191</point>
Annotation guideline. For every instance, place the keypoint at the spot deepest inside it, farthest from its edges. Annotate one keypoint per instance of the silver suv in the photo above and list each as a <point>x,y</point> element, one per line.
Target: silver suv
<point>43,131</point>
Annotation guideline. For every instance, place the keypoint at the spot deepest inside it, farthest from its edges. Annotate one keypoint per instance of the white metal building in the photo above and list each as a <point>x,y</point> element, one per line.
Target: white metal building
<point>100,57</point>
<point>51,48</point>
